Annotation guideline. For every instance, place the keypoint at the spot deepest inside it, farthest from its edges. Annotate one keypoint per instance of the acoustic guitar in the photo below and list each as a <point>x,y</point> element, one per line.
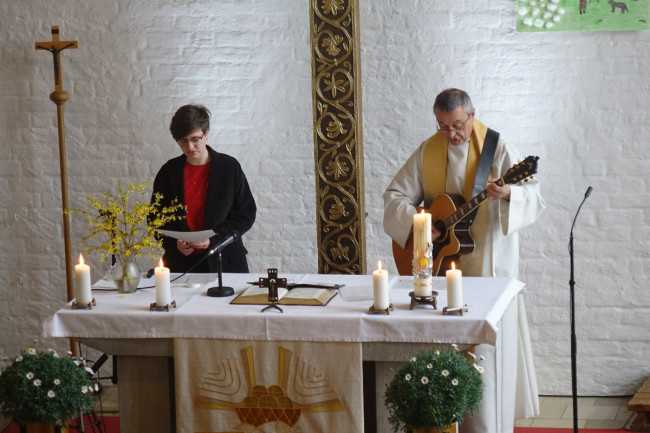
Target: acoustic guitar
<point>448,213</point>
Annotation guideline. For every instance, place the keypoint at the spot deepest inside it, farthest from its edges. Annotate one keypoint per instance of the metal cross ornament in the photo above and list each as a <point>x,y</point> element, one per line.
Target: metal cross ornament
<point>273,283</point>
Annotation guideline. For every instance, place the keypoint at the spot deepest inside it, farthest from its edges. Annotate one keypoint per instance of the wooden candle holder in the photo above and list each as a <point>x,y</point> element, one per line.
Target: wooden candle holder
<point>372,310</point>
<point>424,300</point>
<point>459,310</point>
<point>88,306</point>
<point>154,307</point>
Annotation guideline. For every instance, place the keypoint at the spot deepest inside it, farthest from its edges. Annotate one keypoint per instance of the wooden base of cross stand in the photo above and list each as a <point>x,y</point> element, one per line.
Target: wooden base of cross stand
<point>88,306</point>
<point>424,300</point>
<point>460,310</point>
<point>154,307</point>
<point>372,310</point>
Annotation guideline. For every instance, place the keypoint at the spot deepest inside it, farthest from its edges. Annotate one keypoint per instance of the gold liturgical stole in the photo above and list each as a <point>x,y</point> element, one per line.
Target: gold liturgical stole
<point>435,162</point>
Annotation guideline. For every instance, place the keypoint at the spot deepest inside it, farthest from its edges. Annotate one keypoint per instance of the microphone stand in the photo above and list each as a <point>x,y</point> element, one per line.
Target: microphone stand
<point>574,350</point>
<point>220,291</point>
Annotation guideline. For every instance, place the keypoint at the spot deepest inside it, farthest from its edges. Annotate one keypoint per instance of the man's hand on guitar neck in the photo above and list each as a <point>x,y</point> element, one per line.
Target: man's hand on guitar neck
<point>496,192</point>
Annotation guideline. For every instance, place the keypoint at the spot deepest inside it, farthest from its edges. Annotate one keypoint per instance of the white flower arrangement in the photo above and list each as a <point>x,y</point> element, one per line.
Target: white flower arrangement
<point>448,385</point>
<point>43,387</point>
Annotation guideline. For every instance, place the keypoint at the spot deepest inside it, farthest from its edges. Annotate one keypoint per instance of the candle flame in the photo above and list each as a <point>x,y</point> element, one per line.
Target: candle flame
<point>421,210</point>
<point>81,259</point>
<point>379,265</point>
<point>161,263</point>
<point>453,266</point>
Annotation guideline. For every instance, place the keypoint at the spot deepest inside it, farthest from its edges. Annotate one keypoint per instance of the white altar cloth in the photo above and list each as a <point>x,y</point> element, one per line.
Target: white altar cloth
<point>490,323</point>
<point>199,316</point>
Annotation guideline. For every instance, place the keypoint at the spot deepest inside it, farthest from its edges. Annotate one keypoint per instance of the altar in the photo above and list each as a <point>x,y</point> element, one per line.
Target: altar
<point>149,344</point>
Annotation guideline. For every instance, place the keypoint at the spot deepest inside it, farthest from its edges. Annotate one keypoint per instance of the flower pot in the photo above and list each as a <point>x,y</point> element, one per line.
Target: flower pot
<point>41,427</point>
<point>453,428</point>
<point>126,274</point>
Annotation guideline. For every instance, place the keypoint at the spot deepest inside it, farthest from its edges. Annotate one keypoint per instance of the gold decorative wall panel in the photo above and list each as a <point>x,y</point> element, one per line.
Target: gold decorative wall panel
<point>338,149</point>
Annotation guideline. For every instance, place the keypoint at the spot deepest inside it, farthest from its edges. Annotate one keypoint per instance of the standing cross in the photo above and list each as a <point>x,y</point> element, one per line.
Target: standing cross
<point>273,283</point>
<point>59,97</point>
<point>55,47</point>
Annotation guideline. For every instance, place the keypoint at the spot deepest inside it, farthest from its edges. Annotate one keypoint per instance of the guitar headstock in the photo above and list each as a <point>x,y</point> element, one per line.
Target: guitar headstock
<point>522,171</point>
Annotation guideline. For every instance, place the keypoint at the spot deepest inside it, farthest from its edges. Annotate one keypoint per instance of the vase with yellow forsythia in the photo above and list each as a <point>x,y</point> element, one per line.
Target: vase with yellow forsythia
<point>126,225</point>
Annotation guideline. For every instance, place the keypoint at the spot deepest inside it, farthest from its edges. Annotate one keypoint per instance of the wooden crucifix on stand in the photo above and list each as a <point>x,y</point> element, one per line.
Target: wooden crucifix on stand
<point>59,97</point>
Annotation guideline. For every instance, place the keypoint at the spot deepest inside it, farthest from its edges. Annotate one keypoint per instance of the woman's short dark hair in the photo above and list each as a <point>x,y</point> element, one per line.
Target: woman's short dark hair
<point>189,118</point>
<point>450,99</point>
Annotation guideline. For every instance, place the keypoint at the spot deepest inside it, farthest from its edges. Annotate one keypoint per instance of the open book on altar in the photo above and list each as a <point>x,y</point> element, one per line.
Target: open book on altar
<point>298,296</point>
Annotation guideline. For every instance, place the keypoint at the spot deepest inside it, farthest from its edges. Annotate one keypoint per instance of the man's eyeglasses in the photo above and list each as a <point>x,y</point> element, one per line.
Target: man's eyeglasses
<point>455,128</point>
<point>193,140</point>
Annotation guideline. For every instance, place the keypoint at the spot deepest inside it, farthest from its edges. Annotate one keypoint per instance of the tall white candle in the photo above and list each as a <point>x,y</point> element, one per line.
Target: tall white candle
<point>454,287</point>
<point>421,233</point>
<point>82,283</point>
<point>421,240</point>
<point>163,286</point>
<point>380,287</point>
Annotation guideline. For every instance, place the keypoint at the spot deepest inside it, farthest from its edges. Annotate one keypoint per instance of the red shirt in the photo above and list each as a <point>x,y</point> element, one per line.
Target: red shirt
<point>196,190</point>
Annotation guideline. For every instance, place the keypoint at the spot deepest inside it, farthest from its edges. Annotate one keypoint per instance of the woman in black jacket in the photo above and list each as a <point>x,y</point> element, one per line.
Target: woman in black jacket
<point>214,190</point>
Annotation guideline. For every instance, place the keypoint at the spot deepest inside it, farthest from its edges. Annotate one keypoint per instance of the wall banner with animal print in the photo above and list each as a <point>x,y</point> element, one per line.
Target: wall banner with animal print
<point>589,15</point>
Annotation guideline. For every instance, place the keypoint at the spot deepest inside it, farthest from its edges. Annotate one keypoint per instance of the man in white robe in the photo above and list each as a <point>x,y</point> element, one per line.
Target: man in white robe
<point>494,230</point>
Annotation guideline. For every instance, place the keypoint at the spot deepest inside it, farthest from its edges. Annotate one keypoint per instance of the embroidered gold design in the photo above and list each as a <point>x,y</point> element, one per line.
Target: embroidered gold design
<point>336,96</point>
<point>311,389</point>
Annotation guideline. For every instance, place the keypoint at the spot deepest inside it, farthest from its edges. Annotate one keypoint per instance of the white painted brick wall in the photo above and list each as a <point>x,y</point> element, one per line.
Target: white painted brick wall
<point>579,100</point>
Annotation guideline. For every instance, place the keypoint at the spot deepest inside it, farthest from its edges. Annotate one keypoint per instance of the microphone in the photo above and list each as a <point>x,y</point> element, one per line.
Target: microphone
<point>589,189</point>
<point>224,243</point>
<point>217,249</point>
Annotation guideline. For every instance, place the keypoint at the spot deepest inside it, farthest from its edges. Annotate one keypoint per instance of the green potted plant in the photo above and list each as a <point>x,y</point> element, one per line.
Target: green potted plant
<point>433,391</point>
<point>44,388</point>
<point>126,224</point>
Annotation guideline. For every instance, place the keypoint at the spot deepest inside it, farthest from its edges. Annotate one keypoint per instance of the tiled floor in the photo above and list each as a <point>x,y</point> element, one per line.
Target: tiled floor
<point>593,412</point>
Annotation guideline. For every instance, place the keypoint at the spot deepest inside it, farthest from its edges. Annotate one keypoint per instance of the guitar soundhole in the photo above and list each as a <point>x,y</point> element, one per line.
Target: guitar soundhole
<point>443,239</point>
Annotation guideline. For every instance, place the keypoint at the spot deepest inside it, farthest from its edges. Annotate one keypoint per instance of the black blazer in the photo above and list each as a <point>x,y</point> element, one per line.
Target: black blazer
<point>230,207</point>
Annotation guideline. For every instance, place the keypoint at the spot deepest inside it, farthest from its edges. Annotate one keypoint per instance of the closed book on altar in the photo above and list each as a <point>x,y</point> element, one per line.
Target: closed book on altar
<point>298,296</point>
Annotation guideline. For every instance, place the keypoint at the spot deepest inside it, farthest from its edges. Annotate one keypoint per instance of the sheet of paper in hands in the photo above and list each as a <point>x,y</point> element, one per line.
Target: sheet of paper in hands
<point>188,236</point>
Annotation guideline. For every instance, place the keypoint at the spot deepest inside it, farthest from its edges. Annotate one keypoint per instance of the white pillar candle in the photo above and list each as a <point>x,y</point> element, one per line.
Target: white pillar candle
<point>380,287</point>
<point>163,286</point>
<point>82,283</point>
<point>422,286</point>
<point>421,241</point>
<point>421,233</point>
<point>454,287</point>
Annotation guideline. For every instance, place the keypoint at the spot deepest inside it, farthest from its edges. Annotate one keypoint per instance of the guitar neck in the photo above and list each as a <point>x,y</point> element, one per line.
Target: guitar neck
<point>466,209</point>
